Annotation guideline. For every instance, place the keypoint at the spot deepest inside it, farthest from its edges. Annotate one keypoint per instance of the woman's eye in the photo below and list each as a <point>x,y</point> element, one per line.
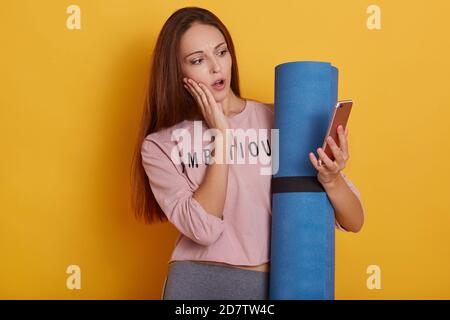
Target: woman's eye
<point>195,61</point>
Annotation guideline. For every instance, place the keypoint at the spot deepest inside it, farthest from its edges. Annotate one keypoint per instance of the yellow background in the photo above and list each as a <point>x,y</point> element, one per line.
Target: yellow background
<point>70,107</point>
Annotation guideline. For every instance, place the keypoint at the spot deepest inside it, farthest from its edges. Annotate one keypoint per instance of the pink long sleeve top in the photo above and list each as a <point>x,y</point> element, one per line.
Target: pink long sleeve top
<point>242,237</point>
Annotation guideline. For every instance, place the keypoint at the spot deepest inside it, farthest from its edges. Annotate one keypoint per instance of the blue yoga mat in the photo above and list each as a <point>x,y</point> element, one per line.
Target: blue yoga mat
<point>303,221</point>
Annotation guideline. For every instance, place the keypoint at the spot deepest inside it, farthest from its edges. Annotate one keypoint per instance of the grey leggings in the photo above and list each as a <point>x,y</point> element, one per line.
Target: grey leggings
<point>193,280</point>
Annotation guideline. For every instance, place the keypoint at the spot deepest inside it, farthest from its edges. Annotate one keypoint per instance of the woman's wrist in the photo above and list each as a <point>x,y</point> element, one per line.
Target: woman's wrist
<point>221,147</point>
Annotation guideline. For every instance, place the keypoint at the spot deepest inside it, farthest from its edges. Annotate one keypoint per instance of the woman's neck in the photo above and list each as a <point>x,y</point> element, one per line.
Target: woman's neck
<point>232,105</point>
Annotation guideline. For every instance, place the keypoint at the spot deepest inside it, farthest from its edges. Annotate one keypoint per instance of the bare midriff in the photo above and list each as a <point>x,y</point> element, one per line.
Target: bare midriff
<point>262,267</point>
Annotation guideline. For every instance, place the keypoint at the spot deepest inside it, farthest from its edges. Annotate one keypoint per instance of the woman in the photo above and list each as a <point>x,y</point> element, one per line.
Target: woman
<point>222,209</point>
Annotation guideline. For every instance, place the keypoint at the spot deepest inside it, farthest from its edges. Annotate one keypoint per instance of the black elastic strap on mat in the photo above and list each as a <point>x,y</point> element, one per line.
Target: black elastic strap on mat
<point>296,184</point>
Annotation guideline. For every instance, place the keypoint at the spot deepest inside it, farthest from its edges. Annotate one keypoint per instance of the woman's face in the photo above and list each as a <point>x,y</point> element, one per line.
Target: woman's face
<point>205,58</point>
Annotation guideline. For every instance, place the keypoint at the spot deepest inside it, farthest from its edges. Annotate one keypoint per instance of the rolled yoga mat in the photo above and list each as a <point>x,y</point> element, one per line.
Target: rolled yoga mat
<point>303,221</point>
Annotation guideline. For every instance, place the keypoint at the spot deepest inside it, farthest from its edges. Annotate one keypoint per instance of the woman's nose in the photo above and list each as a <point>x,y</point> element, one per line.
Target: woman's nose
<point>215,66</point>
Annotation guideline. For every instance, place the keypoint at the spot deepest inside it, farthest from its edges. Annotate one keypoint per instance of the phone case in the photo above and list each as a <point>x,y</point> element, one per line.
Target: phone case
<point>340,116</point>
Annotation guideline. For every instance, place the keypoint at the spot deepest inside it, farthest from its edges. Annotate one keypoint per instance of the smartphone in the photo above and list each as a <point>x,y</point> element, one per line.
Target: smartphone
<point>340,116</point>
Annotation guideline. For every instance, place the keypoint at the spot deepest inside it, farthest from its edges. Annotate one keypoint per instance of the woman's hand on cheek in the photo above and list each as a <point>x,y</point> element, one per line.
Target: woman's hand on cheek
<point>329,171</point>
<point>211,110</point>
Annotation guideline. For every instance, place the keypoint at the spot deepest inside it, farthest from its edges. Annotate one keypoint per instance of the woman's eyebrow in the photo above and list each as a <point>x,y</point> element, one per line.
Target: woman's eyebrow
<point>202,51</point>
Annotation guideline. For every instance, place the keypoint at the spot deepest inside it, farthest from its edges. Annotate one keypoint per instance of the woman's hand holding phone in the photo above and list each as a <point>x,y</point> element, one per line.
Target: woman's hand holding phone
<point>328,170</point>
<point>334,152</point>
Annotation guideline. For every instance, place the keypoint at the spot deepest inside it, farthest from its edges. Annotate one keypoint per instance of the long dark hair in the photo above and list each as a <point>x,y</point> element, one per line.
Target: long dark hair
<point>167,102</point>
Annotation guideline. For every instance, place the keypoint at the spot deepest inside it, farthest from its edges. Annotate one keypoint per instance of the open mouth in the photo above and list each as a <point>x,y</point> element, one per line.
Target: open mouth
<point>219,84</point>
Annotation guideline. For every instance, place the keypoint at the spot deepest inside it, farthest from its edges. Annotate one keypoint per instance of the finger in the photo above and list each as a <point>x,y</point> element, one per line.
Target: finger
<point>205,101</point>
<point>337,152</point>
<point>343,142</point>
<point>315,162</point>
<point>192,90</point>
<point>189,90</point>
<point>220,107</point>
<point>328,162</point>
<point>201,93</point>
<point>198,99</point>
<point>212,102</point>
<point>208,94</point>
